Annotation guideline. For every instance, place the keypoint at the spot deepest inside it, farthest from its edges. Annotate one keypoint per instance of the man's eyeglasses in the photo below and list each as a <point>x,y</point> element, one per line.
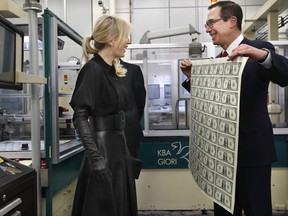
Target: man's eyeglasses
<point>211,22</point>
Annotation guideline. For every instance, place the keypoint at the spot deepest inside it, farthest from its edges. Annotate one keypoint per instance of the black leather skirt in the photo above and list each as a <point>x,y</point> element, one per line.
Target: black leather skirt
<point>117,196</point>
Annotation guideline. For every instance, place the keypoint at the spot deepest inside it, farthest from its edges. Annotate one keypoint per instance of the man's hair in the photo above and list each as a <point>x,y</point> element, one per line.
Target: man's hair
<point>229,9</point>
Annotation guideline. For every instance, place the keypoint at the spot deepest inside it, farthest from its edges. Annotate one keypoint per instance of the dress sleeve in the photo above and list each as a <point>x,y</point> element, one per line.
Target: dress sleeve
<point>139,91</point>
<point>86,88</point>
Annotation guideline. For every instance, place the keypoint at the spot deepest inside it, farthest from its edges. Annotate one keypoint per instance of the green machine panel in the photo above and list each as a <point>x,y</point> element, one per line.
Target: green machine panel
<point>164,152</point>
<point>173,152</point>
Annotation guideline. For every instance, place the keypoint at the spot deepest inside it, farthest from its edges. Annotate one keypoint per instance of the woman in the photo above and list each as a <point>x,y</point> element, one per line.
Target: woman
<point>105,185</point>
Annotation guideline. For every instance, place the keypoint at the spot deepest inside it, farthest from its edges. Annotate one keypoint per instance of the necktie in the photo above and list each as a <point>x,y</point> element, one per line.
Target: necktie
<point>224,54</point>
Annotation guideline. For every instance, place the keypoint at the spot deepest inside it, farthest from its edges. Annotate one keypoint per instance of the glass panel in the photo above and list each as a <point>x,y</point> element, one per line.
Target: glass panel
<point>277,105</point>
<point>160,106</point>
<point>278,97</point>
<point>160,70</point>
<point>62,47</point>
<point>67,77</point>
<point>15,114</point>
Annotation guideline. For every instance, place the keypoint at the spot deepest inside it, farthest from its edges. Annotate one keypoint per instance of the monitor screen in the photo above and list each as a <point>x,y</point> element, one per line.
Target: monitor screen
<point>7,51</point>
<point>153,91</point>
<point>167,91</point>
<point>11,54</point>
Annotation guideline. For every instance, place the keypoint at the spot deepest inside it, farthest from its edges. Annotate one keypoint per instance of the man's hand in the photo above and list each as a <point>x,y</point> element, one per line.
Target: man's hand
<point>185,67</point>
<point>253,53</point>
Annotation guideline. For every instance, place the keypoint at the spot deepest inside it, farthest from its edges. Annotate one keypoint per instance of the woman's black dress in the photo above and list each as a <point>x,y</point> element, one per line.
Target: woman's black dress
<point>99,91</point>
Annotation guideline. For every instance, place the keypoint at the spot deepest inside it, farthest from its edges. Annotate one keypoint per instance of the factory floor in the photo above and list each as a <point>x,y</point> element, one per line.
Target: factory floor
<point>175,213</point>
<point>194,213</point>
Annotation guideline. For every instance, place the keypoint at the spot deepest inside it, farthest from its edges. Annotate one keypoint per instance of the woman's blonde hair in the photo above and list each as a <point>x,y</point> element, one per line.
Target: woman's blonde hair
<point>106,28</point>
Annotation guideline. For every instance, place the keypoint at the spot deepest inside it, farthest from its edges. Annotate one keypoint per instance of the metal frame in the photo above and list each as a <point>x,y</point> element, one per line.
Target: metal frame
<point>53,25</point>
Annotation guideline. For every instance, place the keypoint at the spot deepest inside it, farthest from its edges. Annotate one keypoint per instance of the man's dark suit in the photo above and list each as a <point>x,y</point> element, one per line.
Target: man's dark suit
<point>256,142</point>
<point>134,83</point>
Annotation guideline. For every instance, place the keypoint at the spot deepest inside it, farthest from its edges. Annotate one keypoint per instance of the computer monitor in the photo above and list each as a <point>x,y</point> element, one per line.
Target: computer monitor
<point>11,54</point>
<point>167,91</point>
<point>153,91</point>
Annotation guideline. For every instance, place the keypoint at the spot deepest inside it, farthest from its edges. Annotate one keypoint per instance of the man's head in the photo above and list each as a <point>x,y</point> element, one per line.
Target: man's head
<point>224,22</point>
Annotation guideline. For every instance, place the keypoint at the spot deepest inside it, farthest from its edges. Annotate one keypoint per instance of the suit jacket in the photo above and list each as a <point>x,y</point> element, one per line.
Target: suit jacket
<point>256,141</point>
<point>134,84</point>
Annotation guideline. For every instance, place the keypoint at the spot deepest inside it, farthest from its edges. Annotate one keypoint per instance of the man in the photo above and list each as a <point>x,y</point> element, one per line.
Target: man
<point>256,150</point>
<point>134,84</point>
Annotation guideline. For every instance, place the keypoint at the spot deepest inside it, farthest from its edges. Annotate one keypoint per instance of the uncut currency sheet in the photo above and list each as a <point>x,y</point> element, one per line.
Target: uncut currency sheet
<point>213,144</point>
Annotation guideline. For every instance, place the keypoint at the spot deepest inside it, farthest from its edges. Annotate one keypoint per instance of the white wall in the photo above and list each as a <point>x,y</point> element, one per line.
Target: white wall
<point>164,14</point>
<point>144,15</point>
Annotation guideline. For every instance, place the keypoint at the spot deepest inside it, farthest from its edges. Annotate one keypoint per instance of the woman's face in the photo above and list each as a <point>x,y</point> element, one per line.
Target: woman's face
<point>120,47</point>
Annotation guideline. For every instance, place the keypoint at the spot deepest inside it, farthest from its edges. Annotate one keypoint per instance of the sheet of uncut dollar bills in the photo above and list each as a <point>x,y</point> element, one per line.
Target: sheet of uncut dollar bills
<point>215,103</point>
